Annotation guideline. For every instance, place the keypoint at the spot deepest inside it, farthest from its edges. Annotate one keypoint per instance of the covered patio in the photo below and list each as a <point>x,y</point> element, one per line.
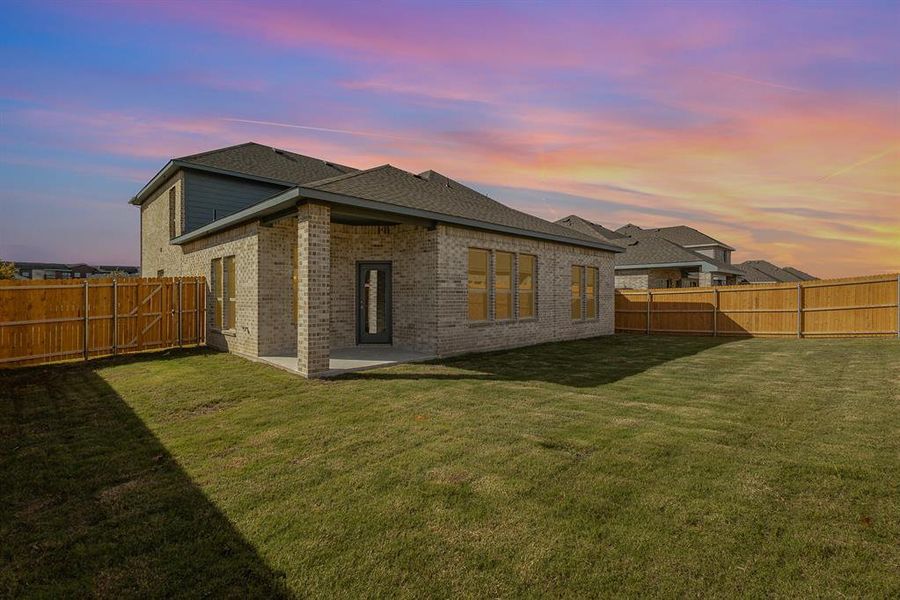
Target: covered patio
<point>344,288</point>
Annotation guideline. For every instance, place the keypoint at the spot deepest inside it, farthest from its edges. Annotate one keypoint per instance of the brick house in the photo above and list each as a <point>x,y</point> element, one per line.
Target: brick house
<point>307,258</point>
<point>664,257</point>
<point>762,271</point>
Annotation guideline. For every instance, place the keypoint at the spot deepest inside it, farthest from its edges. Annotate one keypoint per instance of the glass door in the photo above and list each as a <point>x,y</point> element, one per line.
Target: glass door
<point>373,301</point>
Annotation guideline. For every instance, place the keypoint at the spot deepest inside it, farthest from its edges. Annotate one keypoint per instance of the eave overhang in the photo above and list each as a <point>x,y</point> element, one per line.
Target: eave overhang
<point>172,167</point>
<point>704,266</point>
<point>288,198</point>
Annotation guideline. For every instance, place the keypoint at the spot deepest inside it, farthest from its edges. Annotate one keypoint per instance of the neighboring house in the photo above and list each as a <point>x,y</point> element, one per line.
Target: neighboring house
<point>39,270</point>
<point>663,258</point>
<point>762,271</point>
<point>798,273</point>
<point>305,257</point>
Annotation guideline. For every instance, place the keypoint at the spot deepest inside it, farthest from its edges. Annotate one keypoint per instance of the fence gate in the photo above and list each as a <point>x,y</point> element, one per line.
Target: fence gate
<point>68,319</point>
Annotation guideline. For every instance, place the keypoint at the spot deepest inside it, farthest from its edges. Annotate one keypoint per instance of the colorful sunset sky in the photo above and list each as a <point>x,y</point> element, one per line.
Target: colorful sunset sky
<point>774,127</point>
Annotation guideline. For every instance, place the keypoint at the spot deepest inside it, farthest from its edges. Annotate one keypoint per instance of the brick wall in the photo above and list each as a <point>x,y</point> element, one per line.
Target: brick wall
<point>314,287</point>
<point>156,253</point>
<point>641,279</point>
<point>429,284</point>
<point>637,279</point>
<point>553,310</point>
<point>242,243</point>
<point>277,261</point>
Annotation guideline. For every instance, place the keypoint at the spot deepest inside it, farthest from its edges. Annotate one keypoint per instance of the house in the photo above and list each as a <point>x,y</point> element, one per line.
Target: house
<point>666,257</point>
<point>117,270</point>
<point>307,259</point>
<point>762,271</point>
<point>798,273</point>
<point>42,270</point>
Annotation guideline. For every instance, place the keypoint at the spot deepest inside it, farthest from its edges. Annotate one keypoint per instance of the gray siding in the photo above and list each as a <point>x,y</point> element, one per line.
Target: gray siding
<point>209,196</point>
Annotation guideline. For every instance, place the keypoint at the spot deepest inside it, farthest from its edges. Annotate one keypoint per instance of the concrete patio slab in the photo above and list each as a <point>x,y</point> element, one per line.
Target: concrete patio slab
<point>357,358</point>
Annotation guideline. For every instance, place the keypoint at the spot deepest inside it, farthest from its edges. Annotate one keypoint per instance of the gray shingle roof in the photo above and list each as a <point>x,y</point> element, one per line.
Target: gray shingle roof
<point>650,248</point>
<point>679,234</point>
<point>760,271</point>
<point>798,273</point>
<point>264,161</point>
<point>754,275</point>
<point>643,246</point>
<point>774,272</point>
<point>433,192</point>
<point>585,226</point>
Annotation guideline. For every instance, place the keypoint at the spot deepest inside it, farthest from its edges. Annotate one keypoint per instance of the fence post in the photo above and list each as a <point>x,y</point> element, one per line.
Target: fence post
<point>115,316</point>
<point>139,319</point>
<point>799,310</point>
<point>649,301</point>
<point>715,312</point>
<point>180,296</point>
<point>86,321</point>
<point>898,305</point>
<point>197,312</point>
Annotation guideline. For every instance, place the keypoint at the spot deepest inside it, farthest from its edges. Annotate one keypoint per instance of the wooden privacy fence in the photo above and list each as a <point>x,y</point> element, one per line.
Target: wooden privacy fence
<point>861,306</point>
<point>65,319</point>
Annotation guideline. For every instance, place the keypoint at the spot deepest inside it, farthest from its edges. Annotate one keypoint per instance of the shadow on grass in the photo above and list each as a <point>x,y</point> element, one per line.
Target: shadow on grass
<point>581,363</point>
<point>91,503</point>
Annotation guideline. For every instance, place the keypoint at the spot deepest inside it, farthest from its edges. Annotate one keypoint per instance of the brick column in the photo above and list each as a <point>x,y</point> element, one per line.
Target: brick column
<point>313,288</point>
<point>705,279</point>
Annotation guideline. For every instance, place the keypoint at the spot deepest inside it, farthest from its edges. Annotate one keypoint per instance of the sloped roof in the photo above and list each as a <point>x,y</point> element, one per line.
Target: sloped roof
<point>429,195</point>
<point>679,234</point>
<point>772,272</point>
<point>649,248</point>
<point>264,161</point>
<point>40,265</point>
<point>252,161</point>
<point>645,246</point>
<point>585,226</point>
<point>798,273</point>
<point>754,275</point>
<point>430,191</point>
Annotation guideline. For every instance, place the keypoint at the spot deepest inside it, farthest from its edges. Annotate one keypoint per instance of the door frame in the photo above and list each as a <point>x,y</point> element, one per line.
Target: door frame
<point>361,268</point>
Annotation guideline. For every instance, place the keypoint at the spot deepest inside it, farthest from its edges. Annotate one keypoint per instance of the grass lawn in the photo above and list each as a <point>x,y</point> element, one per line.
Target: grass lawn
<point>628,465</point>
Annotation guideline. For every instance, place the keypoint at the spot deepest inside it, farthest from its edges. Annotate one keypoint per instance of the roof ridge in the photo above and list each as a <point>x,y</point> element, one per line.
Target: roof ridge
<point>215,150</point>
<point>345,176</point>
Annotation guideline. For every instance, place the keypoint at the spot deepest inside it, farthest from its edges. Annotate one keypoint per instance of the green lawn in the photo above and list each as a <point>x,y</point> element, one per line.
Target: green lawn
<point>631,466</point>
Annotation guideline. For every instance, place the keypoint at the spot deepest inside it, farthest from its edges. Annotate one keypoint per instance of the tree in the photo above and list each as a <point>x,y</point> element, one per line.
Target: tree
<point>7,270</point>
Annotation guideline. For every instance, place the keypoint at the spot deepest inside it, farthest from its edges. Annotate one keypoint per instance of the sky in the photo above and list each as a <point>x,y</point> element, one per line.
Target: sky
<point>774,127</point>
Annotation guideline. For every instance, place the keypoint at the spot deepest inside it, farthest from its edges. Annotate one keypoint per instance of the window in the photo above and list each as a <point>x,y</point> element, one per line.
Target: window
<point>478,284</point>
<point>223,284</point>
<point>172,210</point>
<point>526,286</point>
<point>590,292</point>
<point>503,289</point>
<point>576,292</point>
<point>216,280</point>
<point>230,300</point>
